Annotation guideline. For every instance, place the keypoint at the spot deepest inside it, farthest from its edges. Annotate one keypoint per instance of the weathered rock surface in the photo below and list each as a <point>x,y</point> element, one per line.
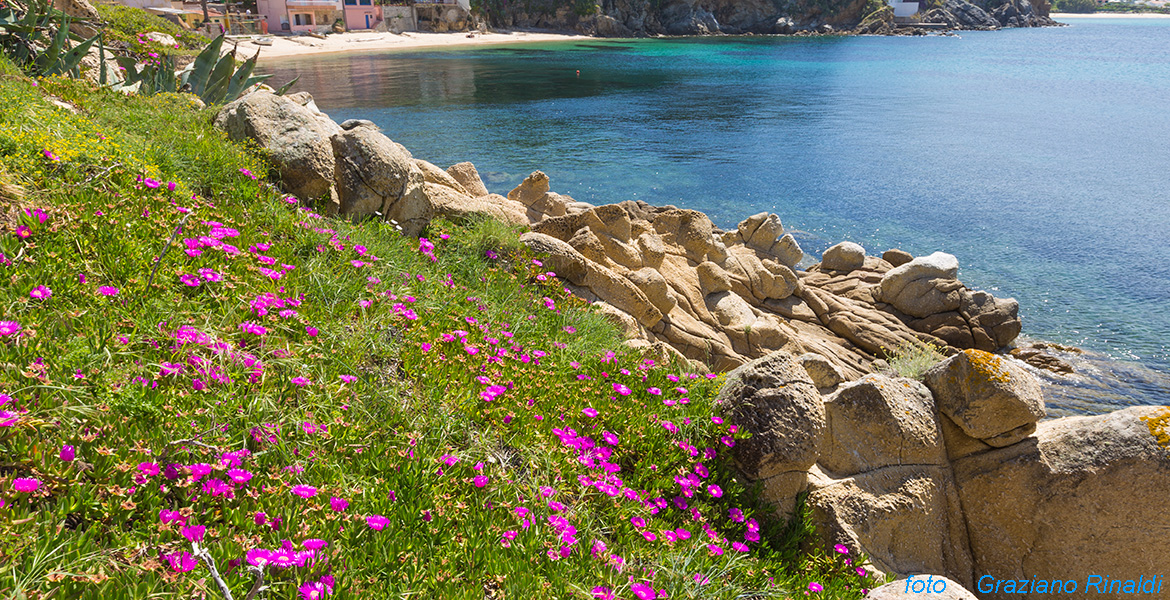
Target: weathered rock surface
<point>1082,496</point>
<point>986,395</point>
<point>467,176</point>
<point>774,397</point>
<point>845,256</point>
<point>295,136</point>
<point>377,176</point>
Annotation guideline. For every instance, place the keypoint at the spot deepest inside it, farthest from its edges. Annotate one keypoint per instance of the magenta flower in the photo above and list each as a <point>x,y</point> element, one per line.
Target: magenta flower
<point>27,485</point>
<point>107,290</point>
<point>313,590</point>
<point>239,475</point>
<point>8,328</point>
<point>253,328</point>
<point>189,280</point>
<point>312,331</point>
<point>67,453</point>
<point>589,412</point>
<point>258,557</point>
<point>814,587</point>
<point>193,533</point>
<point>643,591</point>
<point>209,275</point>
<point>300,381</point>
<point>841,549</point>
<point>149,468</point>
<point>638,522</point>
<point>181,562</point>
<point>480,481</point>
<point>304,491</point>
<point>171,516</point>
<point>171,186</point>
<point>377,522</point>
<point>41,292</point>
<point>714,550</point>
<point>314,544</point>
<point>49,155</point>
<point>739,546</point>
<point>714,490</point>
<point>603,593</point>
<point>621,389</point>
<point>338,504</point>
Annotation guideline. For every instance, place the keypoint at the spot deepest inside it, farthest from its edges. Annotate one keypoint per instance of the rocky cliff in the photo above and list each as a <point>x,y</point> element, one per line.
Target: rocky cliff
<point>636,18</point>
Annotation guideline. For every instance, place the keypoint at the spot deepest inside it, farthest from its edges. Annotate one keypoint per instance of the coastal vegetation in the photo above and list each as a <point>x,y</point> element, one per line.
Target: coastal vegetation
<point>209,389</point>
<point>124,26</point>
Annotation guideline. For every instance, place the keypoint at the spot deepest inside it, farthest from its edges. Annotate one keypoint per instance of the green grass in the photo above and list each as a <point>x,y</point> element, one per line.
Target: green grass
<point>375,368</point>
<point>913,360</point>
<point>126,23</point>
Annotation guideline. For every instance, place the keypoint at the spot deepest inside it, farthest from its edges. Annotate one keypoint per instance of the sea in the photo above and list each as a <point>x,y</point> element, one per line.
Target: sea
<point>1039,157</point>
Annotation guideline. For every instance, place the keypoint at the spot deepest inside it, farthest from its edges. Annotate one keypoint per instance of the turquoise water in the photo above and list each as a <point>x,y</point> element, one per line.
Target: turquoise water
<point>1040,158</point>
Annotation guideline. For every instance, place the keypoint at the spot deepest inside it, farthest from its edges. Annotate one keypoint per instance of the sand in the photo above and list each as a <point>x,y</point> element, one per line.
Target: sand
<point>283,46</point>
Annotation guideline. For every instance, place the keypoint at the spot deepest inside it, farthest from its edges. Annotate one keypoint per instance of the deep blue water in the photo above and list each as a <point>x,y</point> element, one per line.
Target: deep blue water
<point>1040,158</point>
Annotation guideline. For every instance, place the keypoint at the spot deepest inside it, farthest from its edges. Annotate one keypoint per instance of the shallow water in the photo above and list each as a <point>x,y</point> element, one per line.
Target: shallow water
<point>1038,157</point>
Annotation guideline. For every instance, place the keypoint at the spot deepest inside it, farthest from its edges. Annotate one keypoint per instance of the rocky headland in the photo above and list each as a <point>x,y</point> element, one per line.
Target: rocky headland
<point>957,475</point>
<point>637,18</point>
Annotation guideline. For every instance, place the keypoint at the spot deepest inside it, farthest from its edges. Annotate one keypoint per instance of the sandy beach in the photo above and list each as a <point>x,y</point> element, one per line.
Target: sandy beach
<point>1108,15</point>
<point>283,46</point>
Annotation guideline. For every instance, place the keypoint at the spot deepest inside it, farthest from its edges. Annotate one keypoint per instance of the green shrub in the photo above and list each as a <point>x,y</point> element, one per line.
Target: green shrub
<point>913,360</point>
<point>126,23</point>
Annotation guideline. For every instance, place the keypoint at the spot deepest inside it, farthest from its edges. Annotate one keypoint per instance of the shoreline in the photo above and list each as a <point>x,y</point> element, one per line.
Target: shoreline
<point>285,46</point>
<point>1109,15</point>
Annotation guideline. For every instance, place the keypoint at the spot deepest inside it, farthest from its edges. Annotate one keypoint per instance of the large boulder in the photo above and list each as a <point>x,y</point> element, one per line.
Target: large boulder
<point>845,256</point>
<point>878,422</point>
<point>987,396</point>
<point>995,322</point>
<point>467,176</point>
<point>907,519</point>
<point>1083,497</point>
<point>774,399</point>
<point>377,176</point>
<point>294,135</point>
<point>534,194</point>
<point>935,266</point>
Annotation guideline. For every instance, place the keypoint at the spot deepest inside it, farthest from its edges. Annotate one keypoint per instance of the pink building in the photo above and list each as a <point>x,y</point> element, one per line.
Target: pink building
<point>290,16</point>
<point>361,14</point>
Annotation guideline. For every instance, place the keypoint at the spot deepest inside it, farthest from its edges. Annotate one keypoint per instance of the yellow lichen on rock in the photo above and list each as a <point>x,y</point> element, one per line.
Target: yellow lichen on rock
<point>988,365</point>
<point>1160,427</point>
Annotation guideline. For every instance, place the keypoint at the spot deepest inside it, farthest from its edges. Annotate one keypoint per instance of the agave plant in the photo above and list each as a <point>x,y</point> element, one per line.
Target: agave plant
<point>39,40</point>
<point>213,77</point>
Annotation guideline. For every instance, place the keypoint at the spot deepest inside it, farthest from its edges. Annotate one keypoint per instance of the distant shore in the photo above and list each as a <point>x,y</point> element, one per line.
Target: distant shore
<point>283,46</point>
<point>1109,15</point>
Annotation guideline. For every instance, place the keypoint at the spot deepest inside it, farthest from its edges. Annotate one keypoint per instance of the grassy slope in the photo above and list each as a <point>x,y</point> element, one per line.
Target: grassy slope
<point>368,379</point>
<point>126,24</point>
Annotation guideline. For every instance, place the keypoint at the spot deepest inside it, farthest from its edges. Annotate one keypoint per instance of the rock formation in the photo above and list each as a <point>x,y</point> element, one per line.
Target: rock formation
<point>957,477</point>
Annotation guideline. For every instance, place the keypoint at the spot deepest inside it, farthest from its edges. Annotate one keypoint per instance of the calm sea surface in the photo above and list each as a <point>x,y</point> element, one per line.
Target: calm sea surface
<point>1040,158</point>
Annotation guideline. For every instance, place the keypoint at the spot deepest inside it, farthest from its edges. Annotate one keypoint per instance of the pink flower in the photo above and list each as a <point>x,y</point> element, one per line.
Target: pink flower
<point>181,562</point>
<point>239,475</point>
<point>148,468</point>
<point>714,550</point>
<point>621,389</point>
<point>589,412</point>
<point>643,591</point>
<point>27,485</point>
<point>377,522</point>
<point>480,481</point>
<point>314,544</point>
<point>814,587</point>
<point>171,516</point>
<point>714,490</point>
<point>304,491</point>
<point>312,331</point>
<point>739,546</point>
<point>49,155</point>
<point>189,280</point>
<point>193,533</point>
<point>300,381</point>
<point>253,328</point>
<point>841,549</point>
<point>41,293</point>
<point>8,328</point>
<point>603,593</point>
<point>107,290</point>
<point>338,504</point>
<point>67,453</point>
<point>638,522</point>
<point>210,275</point>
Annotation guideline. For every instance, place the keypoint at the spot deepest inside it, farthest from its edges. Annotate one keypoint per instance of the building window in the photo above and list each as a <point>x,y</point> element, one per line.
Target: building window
<point>351,2</point>
<point>303,19</point>
<point>366,2</point>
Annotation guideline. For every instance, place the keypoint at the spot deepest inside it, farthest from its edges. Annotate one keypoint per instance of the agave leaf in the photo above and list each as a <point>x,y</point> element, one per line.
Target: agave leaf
<point>130,68</point>
<point>46,61</point>
<point>103,78</point>
<point>284,88</point>
<point>203,65</point>
<point>238,81</point>
<point>217,83</point>
<point>72,59</point>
